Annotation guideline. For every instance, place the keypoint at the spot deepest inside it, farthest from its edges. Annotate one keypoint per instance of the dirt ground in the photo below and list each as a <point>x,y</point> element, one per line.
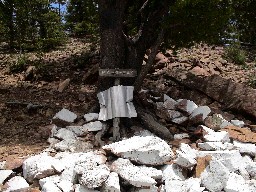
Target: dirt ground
<point>23,129</point>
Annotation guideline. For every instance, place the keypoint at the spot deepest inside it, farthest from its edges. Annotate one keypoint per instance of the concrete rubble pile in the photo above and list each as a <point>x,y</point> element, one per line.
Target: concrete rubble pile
<point>222,160</point>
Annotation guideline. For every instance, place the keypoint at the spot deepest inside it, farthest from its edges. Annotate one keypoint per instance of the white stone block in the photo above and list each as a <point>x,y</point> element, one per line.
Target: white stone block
<point>189,185</point>
<point>50,187</point>
<point>148,150</point>
<point>174,172</point>
<point>236,183</point>
<point>251,169</point>
<point>215,176</point>
<point>133,174</point>
<point>78,130</point>
<point>237,123</point>
<point>2,165</point>
<point>202,111</point>
<point>252,185</point>
<point>206,129</point>
<point>52,179</point>
<point>4,174</point>
<point>94,177</point>
<point>181,136</point>
<point>186,156</point>
<point>16,183</point>
<point>65,115</point>
<point>65,186</point>
<point>186,105</point>
<point>65,134</point>
<point>40,166</point>
<point>91,117</point>
<point>93,126</point>
<point>151,172</point>
<point>247,148</point>
<point>215,146</point>
<point>81,188</point>
<point>112,183</point>
<point>222,136</point>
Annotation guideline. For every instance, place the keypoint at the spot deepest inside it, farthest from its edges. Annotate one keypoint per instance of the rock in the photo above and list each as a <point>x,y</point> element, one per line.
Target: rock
<point>180,120</point>
<point>2,165</point>
<point>191,184</point>
<point>172,114</point>
<point>95,176</point>
<point>52,179</point>
<point>40,166</point>
<point>112,183</point>
<point>78,130</point>
<point>73,145</point>
<point>65,134</point>
<point>148,150</point>
<point>65,115</point>
<point>4,174</point>
<point>222,136</point>
<point>215,146</point>
<point>186,106</point>
<point>133,174</point>
<point>13,163</point>
<point>91,117</point>
<point>16,183</point>
<point>81,188</point>
<point>169,103</point>
<point>237,123</point>
<point>225,124</point>
<point>214,121</point>
<point>246,148</point>
<point>181,136</point>
<point>241,134</point>
<point>199,114</point>
<point>251,169</point>
<point>202,163</point>
<point>236,183</point>
<point>63,85</point>
<point>65,186</point>
<point>186,156</point>
<point>50,187</point>
<point>93,126</point>
<point>199,71</point>
<point>215,176</point>
<point>174,172</point>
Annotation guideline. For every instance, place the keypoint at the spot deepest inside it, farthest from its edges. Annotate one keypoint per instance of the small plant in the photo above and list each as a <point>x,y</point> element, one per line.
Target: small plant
<point>235,54</point>
<point>252,80</point>
<point>20,64</point>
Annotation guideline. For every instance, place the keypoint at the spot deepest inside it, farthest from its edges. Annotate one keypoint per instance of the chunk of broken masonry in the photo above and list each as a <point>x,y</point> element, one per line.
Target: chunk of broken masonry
<point>93,126</point>
<point>221,136</point>
<point>174,172</point>
<point>149,150</point>
<point>40,166</point>
<point>112,183</point>
<point>186,106</point>
<point>65,115</point>
<point>186,156</point>
<point>215,146</point>
<point>91,117</point>
<point>135,175</point>
<point>4,174</point>
<point>16,183</point>
<point>199,114</point>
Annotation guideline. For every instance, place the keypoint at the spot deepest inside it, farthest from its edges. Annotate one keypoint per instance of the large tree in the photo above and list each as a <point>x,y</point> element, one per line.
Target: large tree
<point>130,28</point>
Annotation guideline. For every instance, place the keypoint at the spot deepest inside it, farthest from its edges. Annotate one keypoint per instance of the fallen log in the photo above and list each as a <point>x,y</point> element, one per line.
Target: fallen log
<point>234,96</point>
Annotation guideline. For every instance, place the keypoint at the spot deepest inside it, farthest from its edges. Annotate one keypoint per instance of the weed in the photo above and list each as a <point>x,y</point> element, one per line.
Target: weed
<point>20,64</point>
<point>235,54</point>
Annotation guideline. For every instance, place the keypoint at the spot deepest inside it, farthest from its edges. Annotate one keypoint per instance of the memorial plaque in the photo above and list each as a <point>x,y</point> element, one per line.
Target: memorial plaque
<point>117,73</point>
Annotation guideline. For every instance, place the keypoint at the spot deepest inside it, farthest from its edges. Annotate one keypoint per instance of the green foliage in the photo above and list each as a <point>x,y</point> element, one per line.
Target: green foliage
<point>235,54</point>
<point>20,64</point>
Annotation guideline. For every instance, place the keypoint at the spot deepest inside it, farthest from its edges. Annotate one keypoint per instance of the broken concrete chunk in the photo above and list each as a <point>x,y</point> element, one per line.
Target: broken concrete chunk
<point>78,130</point>
<point>73,145</point>
<point>236,183</point>
<point>65,134</point>
<point>40,166</point>
<point>251,169</point>
<point>181,136</point>
<point>186,156</point>
<point>215,176</point>
<point>186,106</point>
<point>222,136</point>
<point>112,183</point>
<point>81,188</point>
<point>93,126</point>
<point>2,165</point>
<point>65,186</point>
<point>149,150</point>
<point>4,174</point>
<point>65,115</point>
<point>215,146</point>
<point>245,148</point>
<point>174,172</point>
<point>16,183</point>
<point>91,117</point>
<point>50,187</point>
<point>191,184</point>
<point>52,179</point>
<point>131,173</point>
<point>199,114</point>
<point>237,123</point>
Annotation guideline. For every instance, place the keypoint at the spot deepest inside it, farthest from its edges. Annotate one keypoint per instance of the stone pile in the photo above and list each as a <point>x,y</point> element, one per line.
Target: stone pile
<point>223,159</point>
